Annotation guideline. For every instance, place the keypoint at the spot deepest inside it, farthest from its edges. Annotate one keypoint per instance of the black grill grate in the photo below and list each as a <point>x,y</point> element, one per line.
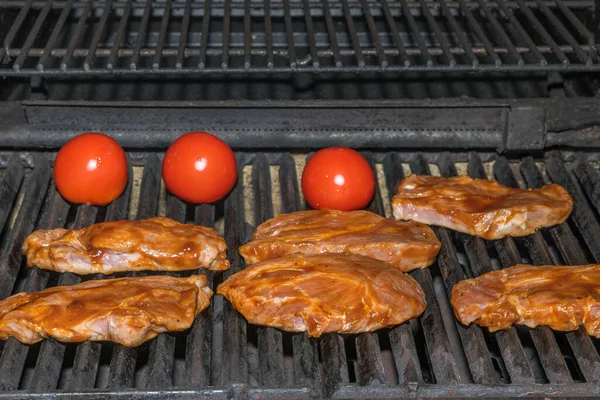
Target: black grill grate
<point>222,356</point>
<point>178,37</point>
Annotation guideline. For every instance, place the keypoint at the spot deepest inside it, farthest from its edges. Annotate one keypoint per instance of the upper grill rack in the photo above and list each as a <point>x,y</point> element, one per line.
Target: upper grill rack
<point>167,37</point>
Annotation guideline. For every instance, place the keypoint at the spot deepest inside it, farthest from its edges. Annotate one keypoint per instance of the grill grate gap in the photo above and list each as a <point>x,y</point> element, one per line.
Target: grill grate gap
<point>350,346</point>
<point>14,208</point>
<point>67,366</point>
<point>387,356</point>
<point>567,352</point>
<point>141,365</point>
<point>71,216</point>
<point>252,350</point>
<point>102,380</point>
<point>29,366</point>
<point>531,353</point>
<point>420,344</point>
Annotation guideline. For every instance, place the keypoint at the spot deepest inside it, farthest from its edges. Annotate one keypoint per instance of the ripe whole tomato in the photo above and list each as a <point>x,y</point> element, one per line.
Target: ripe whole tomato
<point>199,168</point>
<point>338,178</point>
<point>91,168</point>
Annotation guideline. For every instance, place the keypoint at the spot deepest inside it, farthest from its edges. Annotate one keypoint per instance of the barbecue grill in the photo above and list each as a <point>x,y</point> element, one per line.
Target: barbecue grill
<point>502,89</point>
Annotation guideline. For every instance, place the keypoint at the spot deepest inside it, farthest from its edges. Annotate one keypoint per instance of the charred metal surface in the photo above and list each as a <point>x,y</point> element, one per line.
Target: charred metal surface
<point>432,356</point>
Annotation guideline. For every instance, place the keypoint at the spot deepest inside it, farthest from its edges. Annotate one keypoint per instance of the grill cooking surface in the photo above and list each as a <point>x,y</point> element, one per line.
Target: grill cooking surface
<point>176,37</point>
<point>222,356</point>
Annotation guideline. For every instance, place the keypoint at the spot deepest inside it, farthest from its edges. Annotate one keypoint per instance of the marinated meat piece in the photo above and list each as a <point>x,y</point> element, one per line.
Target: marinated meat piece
<point>324,293</point>
<point>560,297</point>
<point>480,207</point>
<point>128,311</point>
<point>157,244</point>
<point>405,245</point>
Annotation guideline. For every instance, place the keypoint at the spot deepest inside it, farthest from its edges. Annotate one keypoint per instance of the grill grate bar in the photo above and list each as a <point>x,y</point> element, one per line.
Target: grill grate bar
<point>269,34</point>
<point>270,348</point>
<point>199,342</point>
<point>161,36</point>
<point>590,181</point>
<point>234,368</point>
<point>583,56</point>
<point>459,32</point>
<point>443,363</point>
<point>161,358</point>
<point>85,366</point>
<point>585,353</point>
<point>577,24</point>
<point>476,351</point>
<point>48,367</point>
<point>417,33</point>
<point>185,26</point>
<point>141,35</point>
<point>395,34</point>
<point>332,35</point>
<point>335,364</point>
<point>87,355</point>
<point>76,38</point>
<point>112,59</point>
<point>489,48</point>
<point>290,34</point>
<point>522,32</point>
<point>374,34</point>
<point>89,59</point>
<point>371,371</point>
<point>543,33</point>
<point>205,32</point>
<point>438,33</point>
<point>500,31</point>
<point>10,253</point>
<point>14,29</point>
<point>55,32</point>
<point>32,34</point>
<point>434,51</point>
<point>402,341</point>
<point>306,356</point>
<point>510,346</point>
<point>582,214</point>
<point>123,360</point>
<point>360,59</point>
<point>311,34</point>
<point>10,185</point>
<point>548,351</point>
<point>247,35</point>
<point>226,33</point>
<point>14,353</point>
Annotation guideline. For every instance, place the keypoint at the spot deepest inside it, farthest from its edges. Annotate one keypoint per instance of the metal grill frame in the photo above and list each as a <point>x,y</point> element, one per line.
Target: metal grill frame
<point>338,36</point>
<point>577,240</point>
<point>500,125</point>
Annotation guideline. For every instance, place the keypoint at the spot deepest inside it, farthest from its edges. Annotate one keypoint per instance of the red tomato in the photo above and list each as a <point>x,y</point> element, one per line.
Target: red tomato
<point>91,168</point>
<point>338,178</point>
<point>199,168</point>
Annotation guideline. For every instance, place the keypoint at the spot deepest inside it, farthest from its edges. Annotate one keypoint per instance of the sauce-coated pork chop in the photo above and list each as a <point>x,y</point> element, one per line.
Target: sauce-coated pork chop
<point>128,311</point>
<point>480,207</point>
<point>324,293</point>
<point>561,297</point>
<point>157,244</point>
<point>405,245</point>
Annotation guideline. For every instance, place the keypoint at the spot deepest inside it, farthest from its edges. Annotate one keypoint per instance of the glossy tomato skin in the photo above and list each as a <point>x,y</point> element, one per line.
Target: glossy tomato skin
<point>199,168</point>
<point>91,168</point>
<point>338,178</point>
